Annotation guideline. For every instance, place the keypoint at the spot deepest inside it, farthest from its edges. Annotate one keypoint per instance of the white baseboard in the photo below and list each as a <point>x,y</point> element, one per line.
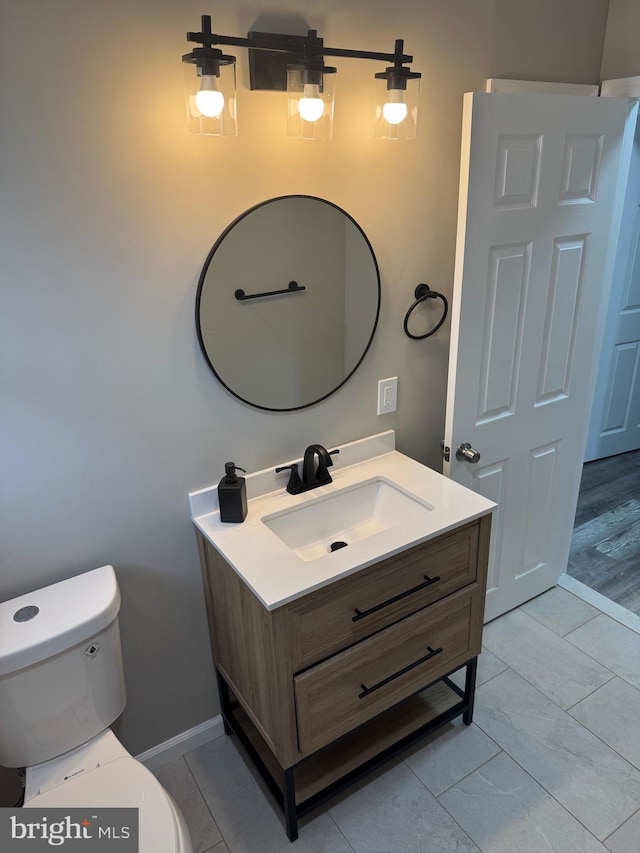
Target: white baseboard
<point>177,746</point>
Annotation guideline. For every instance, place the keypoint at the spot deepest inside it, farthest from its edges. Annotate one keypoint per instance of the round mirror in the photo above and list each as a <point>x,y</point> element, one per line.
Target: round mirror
<point>288,302</point>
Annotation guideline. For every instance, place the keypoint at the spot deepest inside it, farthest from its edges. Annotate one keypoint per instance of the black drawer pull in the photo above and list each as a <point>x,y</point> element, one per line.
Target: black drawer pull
<point>367,690</point>
<point>360,614</point>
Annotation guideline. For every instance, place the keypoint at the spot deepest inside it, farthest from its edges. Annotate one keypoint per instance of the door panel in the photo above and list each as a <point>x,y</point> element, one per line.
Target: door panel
<point>540,201</point>
<point>503,328</point>
<point>564,297</point>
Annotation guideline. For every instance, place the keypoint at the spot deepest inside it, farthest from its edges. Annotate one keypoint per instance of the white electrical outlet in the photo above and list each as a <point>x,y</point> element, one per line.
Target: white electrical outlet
<point>387,395</point>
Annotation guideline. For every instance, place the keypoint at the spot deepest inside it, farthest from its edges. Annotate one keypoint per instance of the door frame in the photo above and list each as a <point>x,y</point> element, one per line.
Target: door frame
<point>620,87</point>
<point>504,86</point>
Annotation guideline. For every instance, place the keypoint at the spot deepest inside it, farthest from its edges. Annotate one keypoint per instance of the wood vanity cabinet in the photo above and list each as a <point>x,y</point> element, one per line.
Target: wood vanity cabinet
<point>331,683</point>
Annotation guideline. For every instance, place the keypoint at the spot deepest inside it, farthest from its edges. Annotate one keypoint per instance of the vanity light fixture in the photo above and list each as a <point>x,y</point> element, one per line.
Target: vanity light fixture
<point>294,64</point>
<point>310,91</point>
<point>211,92</point>
<point>396,101</point>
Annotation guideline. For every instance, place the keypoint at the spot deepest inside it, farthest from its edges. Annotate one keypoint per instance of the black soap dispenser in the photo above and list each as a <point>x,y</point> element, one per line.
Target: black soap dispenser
<point>232,495</point>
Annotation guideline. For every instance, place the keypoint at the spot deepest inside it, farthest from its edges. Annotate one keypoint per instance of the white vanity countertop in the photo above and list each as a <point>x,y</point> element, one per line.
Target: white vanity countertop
<point>276,574</point>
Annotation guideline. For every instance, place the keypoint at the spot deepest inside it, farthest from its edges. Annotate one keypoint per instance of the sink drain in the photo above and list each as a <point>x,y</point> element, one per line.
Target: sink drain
<point>335,546</point>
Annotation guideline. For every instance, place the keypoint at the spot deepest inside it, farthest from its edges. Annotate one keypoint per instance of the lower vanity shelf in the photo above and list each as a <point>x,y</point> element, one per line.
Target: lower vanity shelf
<point>305,785</point>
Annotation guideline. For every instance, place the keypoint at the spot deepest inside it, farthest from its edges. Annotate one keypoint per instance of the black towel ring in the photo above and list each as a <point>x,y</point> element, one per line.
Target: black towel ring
<point>422,292</point>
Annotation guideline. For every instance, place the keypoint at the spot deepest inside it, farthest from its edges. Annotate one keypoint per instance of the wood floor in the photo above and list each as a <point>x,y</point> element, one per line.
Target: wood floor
<point>605,551</point>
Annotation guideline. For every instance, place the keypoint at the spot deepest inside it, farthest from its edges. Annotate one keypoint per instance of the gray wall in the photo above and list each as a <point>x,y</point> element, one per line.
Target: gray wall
<point>621,55</point>
<point>110,415</point>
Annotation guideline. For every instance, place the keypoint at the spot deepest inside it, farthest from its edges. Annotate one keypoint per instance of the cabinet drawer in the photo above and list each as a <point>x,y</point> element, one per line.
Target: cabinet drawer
<point>352,687</point>
<point>350,610</point>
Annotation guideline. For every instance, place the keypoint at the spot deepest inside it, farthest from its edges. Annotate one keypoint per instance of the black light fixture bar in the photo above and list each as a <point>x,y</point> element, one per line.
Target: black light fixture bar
<point>269,72</point>
<point>371,54</point>
<point>292,44</point>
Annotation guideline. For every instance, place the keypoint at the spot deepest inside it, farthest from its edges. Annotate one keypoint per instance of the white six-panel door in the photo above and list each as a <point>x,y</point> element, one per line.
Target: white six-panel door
<point>539,205</point>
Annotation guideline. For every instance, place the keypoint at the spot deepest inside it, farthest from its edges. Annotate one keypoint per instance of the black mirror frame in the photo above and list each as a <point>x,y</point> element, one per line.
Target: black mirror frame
<point>202,280</point>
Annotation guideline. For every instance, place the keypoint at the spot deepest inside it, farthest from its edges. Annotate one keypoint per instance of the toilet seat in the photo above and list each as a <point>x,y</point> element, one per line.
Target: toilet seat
<point>124,782</point>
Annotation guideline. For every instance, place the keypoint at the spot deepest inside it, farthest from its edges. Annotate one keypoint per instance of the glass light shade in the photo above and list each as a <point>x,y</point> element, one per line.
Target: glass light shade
<point>211,101</point>
<point>396,110</point>
<point>309,105</point>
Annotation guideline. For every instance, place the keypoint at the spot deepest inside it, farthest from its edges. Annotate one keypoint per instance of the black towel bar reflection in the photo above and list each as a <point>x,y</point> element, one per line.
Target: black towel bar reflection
<point>294,287</point>
<point>367,690</point>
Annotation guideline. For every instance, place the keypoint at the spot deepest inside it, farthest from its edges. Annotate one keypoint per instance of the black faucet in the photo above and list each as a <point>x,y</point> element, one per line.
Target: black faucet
<point>314,473</point>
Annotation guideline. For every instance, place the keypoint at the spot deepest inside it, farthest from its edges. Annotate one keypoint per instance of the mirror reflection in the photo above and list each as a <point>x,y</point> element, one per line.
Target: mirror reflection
<point>288,302</point>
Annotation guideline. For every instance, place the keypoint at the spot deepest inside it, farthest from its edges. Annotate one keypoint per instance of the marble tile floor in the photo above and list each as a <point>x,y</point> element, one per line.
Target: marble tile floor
<point>551,763</point>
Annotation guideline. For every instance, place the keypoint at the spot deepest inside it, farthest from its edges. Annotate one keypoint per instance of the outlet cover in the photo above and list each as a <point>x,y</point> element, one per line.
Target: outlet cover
<point>387,395</point>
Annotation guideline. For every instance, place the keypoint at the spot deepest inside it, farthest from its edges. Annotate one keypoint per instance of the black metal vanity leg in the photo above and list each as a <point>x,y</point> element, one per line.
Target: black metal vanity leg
<point>470,691</point>
<point>289,802</point>
<point>225,703</point>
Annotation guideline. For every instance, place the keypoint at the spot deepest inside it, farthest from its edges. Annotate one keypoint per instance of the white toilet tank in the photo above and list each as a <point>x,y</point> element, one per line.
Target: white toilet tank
<point>61,678</point>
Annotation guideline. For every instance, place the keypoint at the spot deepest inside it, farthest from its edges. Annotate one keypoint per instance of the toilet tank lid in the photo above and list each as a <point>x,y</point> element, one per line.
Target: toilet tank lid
<point>43,623</point>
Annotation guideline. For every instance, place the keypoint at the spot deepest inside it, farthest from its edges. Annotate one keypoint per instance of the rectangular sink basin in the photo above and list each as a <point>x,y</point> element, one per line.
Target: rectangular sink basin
<point>347,516</point>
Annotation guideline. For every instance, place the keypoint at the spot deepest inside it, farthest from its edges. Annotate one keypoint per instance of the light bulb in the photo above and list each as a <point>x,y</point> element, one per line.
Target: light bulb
<point>209,100</point>
<point>395,110</point>
<point>311,105</point>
